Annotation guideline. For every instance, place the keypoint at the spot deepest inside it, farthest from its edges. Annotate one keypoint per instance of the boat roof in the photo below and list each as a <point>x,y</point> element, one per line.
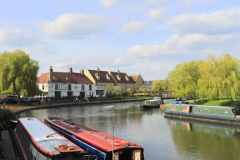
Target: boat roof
<point>220,107</point>
<point>154,100</point>
<point>93,137</point>
<point>44,136</point>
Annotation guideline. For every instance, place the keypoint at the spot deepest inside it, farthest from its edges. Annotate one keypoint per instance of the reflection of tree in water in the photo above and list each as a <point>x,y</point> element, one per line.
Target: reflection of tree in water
<point>205,142</point>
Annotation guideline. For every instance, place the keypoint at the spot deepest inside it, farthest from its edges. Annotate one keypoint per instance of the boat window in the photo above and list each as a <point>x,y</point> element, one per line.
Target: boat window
<point>116,156</point>
<point>212,111</point>
<point>199,110</point>
<point>137,155</point>
<point>226,112</point>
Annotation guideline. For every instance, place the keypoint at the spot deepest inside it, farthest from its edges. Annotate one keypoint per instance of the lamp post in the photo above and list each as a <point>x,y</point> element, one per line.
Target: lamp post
<point>113,128</point>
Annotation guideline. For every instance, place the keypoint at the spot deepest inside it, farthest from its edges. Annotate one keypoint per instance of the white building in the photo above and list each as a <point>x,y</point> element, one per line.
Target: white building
<point>62,84</point>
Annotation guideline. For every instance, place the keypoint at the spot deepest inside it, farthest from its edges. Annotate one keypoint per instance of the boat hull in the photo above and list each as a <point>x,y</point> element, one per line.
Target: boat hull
<point>148,106</point>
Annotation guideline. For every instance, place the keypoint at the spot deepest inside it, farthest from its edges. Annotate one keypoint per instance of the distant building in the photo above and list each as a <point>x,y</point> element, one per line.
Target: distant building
<point>138,81</point>
<point>123,80</point>
<point>62,84</point>
<point>100,78</point>
<point>148,85</point>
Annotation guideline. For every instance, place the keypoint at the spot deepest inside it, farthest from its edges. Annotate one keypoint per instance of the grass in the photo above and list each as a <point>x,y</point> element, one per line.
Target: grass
<point>225,102</point>
<point>138,97</point>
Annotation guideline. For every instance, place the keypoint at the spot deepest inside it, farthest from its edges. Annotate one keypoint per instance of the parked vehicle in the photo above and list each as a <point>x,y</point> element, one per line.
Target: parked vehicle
<point>35,100</point>
<point>7,100</point>
<point>0,100</point>
<point>25,100</point>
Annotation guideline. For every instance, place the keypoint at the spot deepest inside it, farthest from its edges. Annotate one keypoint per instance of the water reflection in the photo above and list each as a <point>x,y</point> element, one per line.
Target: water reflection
<point>198,140</point>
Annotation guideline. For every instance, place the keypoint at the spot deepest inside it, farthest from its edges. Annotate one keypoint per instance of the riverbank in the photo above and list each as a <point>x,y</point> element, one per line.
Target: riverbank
<point>33,106</point>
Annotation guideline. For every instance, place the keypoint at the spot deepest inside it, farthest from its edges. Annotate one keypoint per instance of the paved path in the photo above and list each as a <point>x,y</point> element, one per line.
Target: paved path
<point>8,150</point>
<point>24,107</point>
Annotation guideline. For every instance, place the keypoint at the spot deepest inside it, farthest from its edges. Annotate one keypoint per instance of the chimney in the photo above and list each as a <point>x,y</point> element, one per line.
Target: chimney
<point>50,74</point>
<point>70,70</point>
<point>118,71</point>
<point>98,69</point>
<point>82,71</point>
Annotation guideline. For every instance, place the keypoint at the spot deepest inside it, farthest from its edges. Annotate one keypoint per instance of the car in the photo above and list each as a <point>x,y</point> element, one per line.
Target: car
<point>35,100</point>
<point>25,100</point>
<point>7,100</point>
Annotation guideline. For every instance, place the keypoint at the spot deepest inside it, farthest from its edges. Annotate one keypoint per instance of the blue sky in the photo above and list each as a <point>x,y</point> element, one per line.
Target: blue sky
<point>135,36</point>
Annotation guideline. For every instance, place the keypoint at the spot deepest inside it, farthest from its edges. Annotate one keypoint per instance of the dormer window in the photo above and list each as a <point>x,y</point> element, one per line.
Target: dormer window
<point>97,76</point>
<point>108,77</point>
<point>67,78</point>
<point>55,78</point>
<point>119,78</point>
<point>127,78</point>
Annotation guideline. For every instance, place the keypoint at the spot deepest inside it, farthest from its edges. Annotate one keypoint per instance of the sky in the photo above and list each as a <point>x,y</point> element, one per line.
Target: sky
<point>147,37</point>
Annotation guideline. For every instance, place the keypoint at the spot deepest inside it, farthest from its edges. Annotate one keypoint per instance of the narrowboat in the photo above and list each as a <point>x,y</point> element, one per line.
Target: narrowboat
<point>230,115</point>
<point>105,146</point>
<point>153,103</point>
<point>35,140</point>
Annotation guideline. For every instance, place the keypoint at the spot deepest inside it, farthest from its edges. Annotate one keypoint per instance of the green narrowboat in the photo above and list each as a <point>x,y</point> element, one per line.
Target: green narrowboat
<point>153,103</point>
<point>206,113</point>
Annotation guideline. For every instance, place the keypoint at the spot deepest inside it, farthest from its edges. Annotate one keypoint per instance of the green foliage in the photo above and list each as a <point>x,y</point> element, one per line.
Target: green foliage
<point>159,85</point>
<point>6,116</point>
<point>117,90</point>
<point>143,89</point>
<point>108,89</point>
<point>18,73</point>
<point>220,77</point>
<point>184,78</point>
<point>129,90</point>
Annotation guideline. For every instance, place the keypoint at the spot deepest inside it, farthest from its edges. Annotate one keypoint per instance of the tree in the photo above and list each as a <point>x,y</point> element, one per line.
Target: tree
<point>117,90</point>
<point>109,89</point>
<point>129,90</point>
<point>143,89</point>
<point>220,77</point>
<point>18,74</point>
<point>158,85</point>
<point>184,78</point>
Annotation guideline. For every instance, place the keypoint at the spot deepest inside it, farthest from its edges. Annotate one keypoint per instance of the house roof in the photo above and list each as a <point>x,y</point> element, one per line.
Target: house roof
<point>103,76</point>
<point>122,77</point>
<point>62,78</point>
<point>148,83</point>
<point>134,77</point>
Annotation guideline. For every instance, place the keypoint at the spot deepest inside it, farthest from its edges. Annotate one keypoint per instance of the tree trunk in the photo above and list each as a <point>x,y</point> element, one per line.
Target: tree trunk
<point>232,102</point>
<point>19,101</point>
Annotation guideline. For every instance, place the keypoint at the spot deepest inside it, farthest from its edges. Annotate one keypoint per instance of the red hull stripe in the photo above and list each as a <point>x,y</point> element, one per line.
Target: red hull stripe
<point>91,139</point>
<point>35,141</point>
<point>23,151</point>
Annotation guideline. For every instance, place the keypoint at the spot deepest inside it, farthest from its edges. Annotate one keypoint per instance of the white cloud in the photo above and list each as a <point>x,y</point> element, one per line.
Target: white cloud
<point>185,4</point>
<point>186,45</point>
<point>41,48</point>
<point>209,1</point>
<point>75,26</point>
<point>109,3</point>
<point>17,37</point>
<point>157,14</point>
<point>134,27</point>
<point>219,22</point>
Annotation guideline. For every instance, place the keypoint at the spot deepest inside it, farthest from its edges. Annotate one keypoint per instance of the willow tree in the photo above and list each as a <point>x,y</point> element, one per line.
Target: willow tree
<point>220,77</point>
<point>158,85</point>
<point>184,78</point>
<point>18,73</point>
<point>143,89</point>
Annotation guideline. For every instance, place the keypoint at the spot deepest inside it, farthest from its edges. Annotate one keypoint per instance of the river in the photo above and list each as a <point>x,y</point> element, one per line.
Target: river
<point>161,138</point>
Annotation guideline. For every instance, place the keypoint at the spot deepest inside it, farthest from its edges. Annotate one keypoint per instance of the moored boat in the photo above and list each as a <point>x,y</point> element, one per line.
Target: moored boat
<point>36,140</point>
<point>153,103</point>
<point>221,114</point>
<point>103,145</point>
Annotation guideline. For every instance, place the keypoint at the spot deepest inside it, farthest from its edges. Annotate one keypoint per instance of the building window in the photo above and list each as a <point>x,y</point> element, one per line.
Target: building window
<point>69,87</point>
<point>42,86</point>
<point>90,87</point>
<point>99,92</point>
<point>119,84</point>
<point>82,87</point>
<point>112,84</point>
<point>56,86</point>
<point>127,85</point>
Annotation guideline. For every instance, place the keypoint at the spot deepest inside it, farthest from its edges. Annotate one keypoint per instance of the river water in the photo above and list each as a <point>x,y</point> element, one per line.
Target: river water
<point>161,138</point>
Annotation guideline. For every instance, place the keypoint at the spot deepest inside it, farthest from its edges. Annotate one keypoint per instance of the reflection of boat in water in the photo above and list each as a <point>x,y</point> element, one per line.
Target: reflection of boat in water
<point>152,103</point>
<point>37,141</point>
<point>229,115</point>
<point>210,128</point>
<point>96,142</point>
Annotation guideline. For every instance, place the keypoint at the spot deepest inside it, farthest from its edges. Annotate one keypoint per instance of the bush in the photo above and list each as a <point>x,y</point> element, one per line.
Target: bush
<point>6,116</point>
